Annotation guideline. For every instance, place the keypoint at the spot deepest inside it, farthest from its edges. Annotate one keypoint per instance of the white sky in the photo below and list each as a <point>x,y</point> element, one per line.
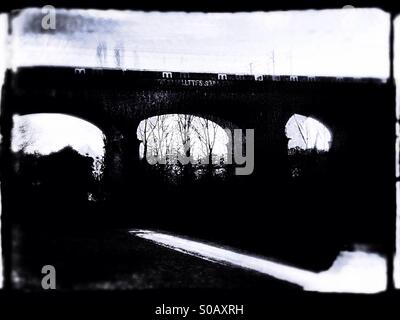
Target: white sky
<point>343,42</point>
<point>47,133</point>
<point>307,133</point>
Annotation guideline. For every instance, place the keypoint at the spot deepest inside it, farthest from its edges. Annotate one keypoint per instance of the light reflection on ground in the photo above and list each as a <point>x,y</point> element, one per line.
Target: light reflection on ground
<point>352,271</point>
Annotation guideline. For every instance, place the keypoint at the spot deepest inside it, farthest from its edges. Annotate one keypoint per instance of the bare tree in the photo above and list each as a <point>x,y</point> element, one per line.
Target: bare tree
<point>310,138</point>
<point>185,128</point>
<point>302,131</point>
<point>206,131</point>
<point>171,145</point>
<point>160,136</point>
<point>145,131</point>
